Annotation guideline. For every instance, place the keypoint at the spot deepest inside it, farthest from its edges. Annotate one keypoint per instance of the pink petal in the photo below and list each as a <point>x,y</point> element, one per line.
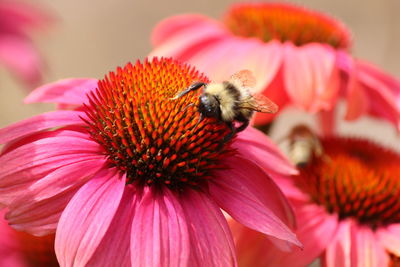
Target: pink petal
<point>246,193</point>
<point>67,91</point>
<point>44,216</point>
<point>357,101</point>
<point>389,237</point>
<point>327,122</point>
<point>315,232</point>
<point>39,123</point>
<point>22,159</point>
<point>211,241</point>
<point>382,91</point>
<point>310,76</point>
<point>274,92</point>
<point>338,252</point>
<point>26,164</point>
<point>217,62</point>
<point>256,146</point>
<point>175,38</point>
<point>10,247</point>
<point>175,25</point>
<point>289,188</point>
<point>115,246</point>
<point>159,234</point>
<point>366,250</point>
<point>19,55</point>
<point>39,208</point>
<point>87,218</point>
<point>18,17</point>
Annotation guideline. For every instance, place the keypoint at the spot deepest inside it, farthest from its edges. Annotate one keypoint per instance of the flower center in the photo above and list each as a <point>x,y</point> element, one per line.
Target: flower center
<point>283,22</point>
<point>156,140</point>
<point>355,178</point>
<point>37,251</point>
<point>394,261</point>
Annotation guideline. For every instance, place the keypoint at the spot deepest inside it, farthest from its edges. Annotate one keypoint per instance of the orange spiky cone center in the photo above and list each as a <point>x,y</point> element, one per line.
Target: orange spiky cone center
<point>284,22</point>
<point>154,139</point>
<point>355,178</point>
<point>394,261</point>
<point>37,251</point>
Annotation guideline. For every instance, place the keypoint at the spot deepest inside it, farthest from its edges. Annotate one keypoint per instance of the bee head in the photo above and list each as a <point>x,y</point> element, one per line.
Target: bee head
<point>209,106</point>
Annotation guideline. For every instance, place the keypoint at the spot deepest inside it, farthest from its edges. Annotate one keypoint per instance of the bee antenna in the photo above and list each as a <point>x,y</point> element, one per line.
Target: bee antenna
<point>193,87</point>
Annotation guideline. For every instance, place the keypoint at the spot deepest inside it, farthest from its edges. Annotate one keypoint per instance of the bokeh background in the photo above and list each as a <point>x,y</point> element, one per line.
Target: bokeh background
<point>92,37</point>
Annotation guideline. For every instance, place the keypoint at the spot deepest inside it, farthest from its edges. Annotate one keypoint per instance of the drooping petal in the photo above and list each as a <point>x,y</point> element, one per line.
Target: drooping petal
<point>19,55</point>
<point>211,241</point>
<point>263,60</point>
<point>40,122</point>
<point>254,145</point>
<point>38,209</point>
<point>159,234</point>
<point>366,250</point>
<point>246,193</point>
<point>389,237</point>
<point>357,101</point>
<point>67,91</point>
<point>381,90</point>
<point>32,161</point>
<point>310,76</point>
<point>17,17</point>
<point>177,24</point>
<point>115,246</point>
<point>87,218</point>
<point>315,230</point>
<point>338,252</point>
<point>176,39</point>
<point>327,122</point>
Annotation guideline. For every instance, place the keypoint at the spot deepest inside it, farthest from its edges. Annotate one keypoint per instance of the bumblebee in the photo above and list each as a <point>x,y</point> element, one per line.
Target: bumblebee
<point>231,101</point>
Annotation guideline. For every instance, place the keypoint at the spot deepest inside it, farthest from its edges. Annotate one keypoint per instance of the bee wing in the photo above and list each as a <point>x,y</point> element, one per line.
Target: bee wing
<point>243,78</point>
<point>259,103</point>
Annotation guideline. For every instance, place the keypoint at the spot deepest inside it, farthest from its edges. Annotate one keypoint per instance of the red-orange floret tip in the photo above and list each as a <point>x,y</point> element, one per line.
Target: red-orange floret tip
<point>355,178</point>
<point>36,251</point>
<point>153,138</point>
<point>286,22</point>
<point>394,261</point>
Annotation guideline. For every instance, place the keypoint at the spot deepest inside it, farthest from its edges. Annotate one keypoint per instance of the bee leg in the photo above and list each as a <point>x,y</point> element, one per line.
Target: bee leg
<point>243,126</point>
<point>185,108</point>
<point>201,118</point>
<point>230,135</point>
<point>192,87</point>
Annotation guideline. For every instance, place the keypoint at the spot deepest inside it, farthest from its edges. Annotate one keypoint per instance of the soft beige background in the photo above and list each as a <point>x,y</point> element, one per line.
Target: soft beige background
<point>92,37</point>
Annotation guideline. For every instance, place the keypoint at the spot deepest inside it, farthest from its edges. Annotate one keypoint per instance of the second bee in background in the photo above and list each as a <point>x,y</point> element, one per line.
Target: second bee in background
<point>304,145</point>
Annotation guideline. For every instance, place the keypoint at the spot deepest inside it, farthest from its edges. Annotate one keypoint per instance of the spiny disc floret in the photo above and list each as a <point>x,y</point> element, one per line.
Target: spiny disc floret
<point>149,135</point>
<point>283,22</point>
<point>355,179</point>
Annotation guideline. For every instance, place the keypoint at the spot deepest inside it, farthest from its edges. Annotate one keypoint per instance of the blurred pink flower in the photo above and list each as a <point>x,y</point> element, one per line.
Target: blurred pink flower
<point>347,205</point>
<point>128,179</point>
<point>17,52</point>
<point>18,249</point>
<point>300,57</point>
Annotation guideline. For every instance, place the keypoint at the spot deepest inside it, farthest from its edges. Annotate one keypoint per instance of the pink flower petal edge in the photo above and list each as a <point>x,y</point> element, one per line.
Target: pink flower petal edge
<point>67,91</point>
<point>87,218</point>
<point>159,235</point>
<point>253,199</point>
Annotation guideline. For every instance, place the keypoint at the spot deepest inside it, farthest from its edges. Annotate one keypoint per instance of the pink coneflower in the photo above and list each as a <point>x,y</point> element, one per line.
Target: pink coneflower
<point>347,204</point>
<point>132,180</point>
<point>17,52</point>
<point>300,57</point>
<point>19,249</point>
